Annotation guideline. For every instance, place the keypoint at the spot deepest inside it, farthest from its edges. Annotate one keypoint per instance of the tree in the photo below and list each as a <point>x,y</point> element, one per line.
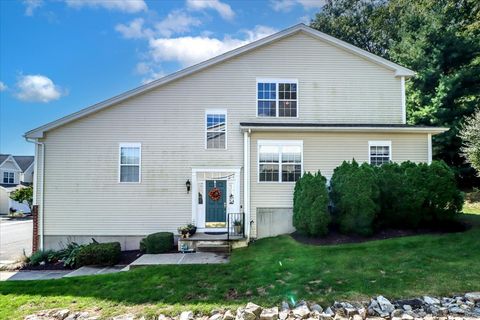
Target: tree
<point>470,134</point>
<point>440,40</point>
<point>310,205</point>
<point>23,194</point>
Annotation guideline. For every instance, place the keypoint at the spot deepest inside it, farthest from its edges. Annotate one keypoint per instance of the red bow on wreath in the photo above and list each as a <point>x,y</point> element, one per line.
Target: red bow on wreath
<point>215,194</point>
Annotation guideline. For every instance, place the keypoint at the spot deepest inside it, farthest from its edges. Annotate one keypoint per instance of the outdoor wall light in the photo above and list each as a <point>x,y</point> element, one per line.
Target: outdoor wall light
<point>188,184</point>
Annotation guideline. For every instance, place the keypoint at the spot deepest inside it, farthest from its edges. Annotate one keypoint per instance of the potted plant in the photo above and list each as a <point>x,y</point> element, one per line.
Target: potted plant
<point>237,226</point>
<point>191,229</point>
<point>184,232</point>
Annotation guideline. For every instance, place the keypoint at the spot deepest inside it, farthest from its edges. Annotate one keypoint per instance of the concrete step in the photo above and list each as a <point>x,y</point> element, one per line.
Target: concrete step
<point>213,247</point>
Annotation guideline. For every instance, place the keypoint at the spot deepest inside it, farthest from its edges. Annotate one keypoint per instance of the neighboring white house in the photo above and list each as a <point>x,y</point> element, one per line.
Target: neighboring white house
<point>15,172</point>
<point>238,129</point>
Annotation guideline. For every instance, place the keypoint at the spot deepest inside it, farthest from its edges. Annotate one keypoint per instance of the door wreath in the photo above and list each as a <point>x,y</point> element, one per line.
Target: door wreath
<point>215,194</point>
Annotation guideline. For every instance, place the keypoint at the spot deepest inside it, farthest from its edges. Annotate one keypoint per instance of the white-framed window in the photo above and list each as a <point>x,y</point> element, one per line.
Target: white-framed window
<point>130,161</point>
<point>280,160</point>
<point>277,98</point>
<point>8,177</point>
<point>379,152</point>
<point>216,129</point>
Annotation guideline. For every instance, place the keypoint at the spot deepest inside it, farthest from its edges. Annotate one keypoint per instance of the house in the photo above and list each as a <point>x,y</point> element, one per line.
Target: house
<point>15,172</point>
<point>227,136</point>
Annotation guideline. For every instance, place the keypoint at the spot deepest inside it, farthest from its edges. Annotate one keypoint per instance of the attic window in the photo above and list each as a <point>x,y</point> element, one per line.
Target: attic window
<point>277,98</point>
<point>8,177</point>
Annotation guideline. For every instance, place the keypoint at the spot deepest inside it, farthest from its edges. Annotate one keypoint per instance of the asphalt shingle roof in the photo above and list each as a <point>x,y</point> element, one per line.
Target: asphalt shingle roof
<point>23,161</point>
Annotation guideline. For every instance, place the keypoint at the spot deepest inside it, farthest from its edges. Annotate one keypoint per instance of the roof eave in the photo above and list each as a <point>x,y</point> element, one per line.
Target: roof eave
<point>432,130</point>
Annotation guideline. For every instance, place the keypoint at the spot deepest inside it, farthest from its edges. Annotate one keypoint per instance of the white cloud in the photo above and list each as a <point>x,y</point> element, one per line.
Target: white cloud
<point>222,8</point>
<point>37,88</point>
<point>134,30</point>
<point>31,6</point>
<point>128,6</point>
<point>191,50</point>
<point>3,86</point>
<point>287,5</point>
<point>176,22</point>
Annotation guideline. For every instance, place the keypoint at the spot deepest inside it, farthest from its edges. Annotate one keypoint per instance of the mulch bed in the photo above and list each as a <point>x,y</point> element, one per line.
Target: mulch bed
<point>126,258</point>
<point>335,237</point>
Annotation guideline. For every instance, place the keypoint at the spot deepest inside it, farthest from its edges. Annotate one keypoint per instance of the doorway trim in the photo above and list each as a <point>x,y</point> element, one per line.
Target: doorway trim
<point>198,216</point>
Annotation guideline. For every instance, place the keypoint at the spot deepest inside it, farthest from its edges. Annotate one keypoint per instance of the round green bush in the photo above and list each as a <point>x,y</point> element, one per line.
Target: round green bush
<point>159,242</point>
<point>310,205</point>
<point>355,195</point>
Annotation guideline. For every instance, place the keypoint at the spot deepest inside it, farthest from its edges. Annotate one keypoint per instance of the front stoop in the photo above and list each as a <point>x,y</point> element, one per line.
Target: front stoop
<point>202,242</point>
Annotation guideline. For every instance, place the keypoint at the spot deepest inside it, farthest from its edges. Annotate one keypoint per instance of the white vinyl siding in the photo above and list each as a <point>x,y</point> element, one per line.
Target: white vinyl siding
<point>325,151</point>
<point>81,158</point>
<point>130,156</point>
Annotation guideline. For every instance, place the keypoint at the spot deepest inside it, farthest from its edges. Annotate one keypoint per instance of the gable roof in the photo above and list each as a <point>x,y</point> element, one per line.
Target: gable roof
<point>399,72</point>
<point>7,157</point>
<point>24,162</point>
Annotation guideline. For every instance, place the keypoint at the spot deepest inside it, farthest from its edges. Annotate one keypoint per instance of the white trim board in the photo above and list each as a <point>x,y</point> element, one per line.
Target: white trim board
<point>399,72</point>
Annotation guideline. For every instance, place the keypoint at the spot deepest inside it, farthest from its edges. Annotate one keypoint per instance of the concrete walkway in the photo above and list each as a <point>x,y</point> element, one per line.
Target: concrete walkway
<point>180,258</point>
<point>145,260</point>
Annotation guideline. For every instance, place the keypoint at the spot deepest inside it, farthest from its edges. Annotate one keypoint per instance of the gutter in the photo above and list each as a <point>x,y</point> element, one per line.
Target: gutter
<point>40,211</point>
<point>310,128</point>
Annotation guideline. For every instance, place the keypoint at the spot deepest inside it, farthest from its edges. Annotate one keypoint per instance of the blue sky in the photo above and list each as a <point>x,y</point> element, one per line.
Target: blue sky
<point>59,56</point>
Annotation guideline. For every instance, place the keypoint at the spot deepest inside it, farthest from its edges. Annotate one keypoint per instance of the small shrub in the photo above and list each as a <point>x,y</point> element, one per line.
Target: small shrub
<point>159,242</point>
<point>40,256</point>
<point>69,255</point>
<point>310,205</point>
<point>355,195</point>
<point>105,254</point>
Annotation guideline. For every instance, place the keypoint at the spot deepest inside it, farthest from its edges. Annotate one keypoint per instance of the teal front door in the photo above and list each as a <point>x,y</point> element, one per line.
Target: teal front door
<point>216,204</point>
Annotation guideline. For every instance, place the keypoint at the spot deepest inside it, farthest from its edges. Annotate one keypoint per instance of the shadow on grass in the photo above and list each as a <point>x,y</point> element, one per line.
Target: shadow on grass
<point>276,269</point>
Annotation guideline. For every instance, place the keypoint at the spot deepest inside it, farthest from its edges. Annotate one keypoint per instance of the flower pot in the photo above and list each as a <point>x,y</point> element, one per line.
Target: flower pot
<point>237,229</point>
<point>192,231</point>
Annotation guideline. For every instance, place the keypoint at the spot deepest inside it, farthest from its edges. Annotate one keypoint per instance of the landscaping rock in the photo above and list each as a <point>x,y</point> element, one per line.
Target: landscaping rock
<point>316,307</point>
<point>269,314</point>
<point>413,303</point>
<point>301,311</point>
<point>216,316</point>
<point>431,300</point>
<point>283,315</point>
<point>186,315</point>
<point>125,317</point>
<point>473,296</point>
<point>252,307</point>
<point>244,314</point>
<point>228,315</point>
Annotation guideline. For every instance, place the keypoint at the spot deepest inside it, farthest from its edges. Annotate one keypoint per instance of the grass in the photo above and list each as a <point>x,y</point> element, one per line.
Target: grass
<point>268,272</point>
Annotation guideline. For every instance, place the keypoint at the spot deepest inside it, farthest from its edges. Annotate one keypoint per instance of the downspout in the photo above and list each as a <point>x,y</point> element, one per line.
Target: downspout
<point>40,211</point>
<point>246,181</point>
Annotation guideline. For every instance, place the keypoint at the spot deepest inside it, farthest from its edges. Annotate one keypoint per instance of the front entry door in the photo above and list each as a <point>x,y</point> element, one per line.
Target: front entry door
<point>216,204</point>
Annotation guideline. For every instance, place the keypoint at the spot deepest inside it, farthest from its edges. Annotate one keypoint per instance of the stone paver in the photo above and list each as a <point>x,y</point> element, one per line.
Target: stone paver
<point>88,271</point>
<point>37,275</point>
<point>180,258</point>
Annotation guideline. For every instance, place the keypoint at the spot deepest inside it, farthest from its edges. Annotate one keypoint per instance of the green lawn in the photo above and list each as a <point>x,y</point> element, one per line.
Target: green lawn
<point>269,271</point>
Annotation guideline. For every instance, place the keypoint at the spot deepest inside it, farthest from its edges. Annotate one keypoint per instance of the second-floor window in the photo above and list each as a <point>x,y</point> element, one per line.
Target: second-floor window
<point>216,129</point>
<point>277,98</point>
<point>8,177</point>
<point>130,162</point>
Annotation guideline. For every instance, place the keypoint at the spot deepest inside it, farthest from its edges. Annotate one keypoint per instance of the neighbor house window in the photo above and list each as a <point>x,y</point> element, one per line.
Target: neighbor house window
<point>279,161</point>
<point>8,177</point>
<point>380,152</point>
<point>130,162</point>
<point>216,129</point>
<point>277,98</point>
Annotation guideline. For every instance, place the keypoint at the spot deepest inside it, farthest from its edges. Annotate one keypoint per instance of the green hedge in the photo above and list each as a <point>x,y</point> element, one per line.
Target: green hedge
<point>104,254</point>
<point>355,195</point>
<point>159,242</point>
<point>310,205</point>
